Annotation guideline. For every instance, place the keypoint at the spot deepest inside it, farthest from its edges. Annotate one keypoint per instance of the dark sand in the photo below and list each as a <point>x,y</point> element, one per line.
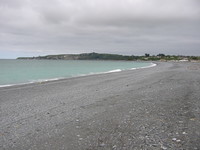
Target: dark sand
<point>154,108</point>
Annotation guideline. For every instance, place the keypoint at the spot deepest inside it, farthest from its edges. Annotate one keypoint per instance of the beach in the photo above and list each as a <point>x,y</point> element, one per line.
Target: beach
<point>151,108</point>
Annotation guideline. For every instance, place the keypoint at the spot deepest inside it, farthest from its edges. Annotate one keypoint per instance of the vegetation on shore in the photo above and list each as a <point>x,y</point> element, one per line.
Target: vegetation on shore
<point>97,56</point>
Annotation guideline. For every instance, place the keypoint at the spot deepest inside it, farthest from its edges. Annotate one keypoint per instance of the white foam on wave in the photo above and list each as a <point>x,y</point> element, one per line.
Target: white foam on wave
<point>93,73</point>
<point>116,70</point>
<point>31,82</point>
<point>6,85</point>
<point>152,65</point>
<point>44,80</point>
<point>133,68</point>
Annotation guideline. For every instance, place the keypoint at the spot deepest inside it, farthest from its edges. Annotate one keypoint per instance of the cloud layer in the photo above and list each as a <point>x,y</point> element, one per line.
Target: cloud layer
<point>29,27</point>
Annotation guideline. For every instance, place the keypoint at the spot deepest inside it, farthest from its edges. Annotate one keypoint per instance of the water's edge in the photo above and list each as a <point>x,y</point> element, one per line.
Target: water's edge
<point>80,75</point>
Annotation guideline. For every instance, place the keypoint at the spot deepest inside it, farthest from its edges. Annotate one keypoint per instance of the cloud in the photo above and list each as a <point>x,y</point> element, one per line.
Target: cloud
<point>123,26</point>
<point>139,11</point>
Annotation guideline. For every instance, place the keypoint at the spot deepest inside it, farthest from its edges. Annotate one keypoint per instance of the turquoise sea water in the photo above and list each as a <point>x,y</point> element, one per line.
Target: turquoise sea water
<point>26,71</point>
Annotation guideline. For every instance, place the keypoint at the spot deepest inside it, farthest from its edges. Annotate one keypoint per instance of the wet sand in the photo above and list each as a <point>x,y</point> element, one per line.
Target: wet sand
<point>152,108</point>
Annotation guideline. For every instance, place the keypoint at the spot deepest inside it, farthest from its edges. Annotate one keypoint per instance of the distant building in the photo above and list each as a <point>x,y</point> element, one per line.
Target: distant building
<point>184,60</point>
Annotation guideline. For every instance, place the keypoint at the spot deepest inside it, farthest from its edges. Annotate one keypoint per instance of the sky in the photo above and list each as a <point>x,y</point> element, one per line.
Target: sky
<point>128,27</point>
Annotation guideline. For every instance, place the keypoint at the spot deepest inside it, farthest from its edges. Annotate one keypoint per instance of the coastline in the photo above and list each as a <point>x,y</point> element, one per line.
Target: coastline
<point>152,108</point>
<point>39,81</point>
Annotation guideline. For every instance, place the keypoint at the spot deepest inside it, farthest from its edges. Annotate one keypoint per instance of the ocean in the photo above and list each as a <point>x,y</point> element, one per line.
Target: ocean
<point>14,72</point>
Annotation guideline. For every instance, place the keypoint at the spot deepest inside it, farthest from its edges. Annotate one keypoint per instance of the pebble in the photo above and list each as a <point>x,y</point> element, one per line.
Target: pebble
<point>173,139</point>
<point>184,133</point>
<point>163,147</point>
<point>102,144</point>
<point>114,146</point>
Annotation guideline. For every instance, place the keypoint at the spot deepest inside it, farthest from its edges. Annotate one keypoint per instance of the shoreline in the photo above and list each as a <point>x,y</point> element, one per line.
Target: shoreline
<point>152,108</point>
<point>40,81</point>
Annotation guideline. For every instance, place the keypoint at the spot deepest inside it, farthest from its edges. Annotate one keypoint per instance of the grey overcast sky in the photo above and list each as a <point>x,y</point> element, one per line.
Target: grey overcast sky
<point>129,27</point>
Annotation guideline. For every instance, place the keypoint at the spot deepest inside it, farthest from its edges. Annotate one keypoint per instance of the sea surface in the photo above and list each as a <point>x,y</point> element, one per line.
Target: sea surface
<point>14,72</point>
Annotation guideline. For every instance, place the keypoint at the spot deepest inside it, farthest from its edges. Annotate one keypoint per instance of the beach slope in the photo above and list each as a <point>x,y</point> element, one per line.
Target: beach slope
<point>151,108</point>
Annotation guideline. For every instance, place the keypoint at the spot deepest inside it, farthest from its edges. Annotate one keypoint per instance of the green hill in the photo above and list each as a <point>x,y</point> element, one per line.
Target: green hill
<point>97,56</point>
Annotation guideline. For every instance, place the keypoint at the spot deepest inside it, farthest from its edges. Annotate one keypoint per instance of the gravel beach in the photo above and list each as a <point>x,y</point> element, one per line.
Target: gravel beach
<point>153,108</point>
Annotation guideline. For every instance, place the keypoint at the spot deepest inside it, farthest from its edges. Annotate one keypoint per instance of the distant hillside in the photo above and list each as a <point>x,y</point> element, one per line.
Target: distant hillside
<point>97,56</point>
<point>84,56</point>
